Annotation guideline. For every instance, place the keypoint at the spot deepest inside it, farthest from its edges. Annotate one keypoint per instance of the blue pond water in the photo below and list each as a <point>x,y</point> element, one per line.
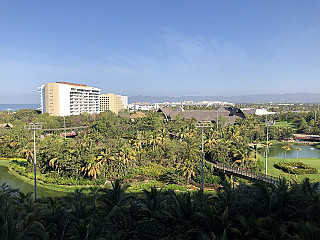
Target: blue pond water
<point>307,151</point>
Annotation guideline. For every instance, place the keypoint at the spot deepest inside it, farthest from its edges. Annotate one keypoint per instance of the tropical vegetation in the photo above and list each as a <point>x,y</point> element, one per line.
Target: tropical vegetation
<point>258,211</point>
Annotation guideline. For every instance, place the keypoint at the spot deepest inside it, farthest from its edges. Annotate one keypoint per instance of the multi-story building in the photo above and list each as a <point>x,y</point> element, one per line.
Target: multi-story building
<point>112,102</point>
<point>64,99</point>
<point>144,106</point>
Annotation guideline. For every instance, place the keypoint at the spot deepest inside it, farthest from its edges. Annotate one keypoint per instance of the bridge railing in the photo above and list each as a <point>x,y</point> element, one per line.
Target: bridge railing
<point>253,175</point>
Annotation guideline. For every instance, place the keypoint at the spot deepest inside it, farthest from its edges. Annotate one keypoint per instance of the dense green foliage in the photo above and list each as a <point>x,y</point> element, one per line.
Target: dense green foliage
<point>116,147</point>
<point>246,212</point>
<point>296,168</point>
<point>149,148</point>
<point>304,118</point>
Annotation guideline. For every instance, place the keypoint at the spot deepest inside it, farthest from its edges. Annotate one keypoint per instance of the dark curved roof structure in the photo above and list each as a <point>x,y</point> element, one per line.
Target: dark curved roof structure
<point>229,114</point>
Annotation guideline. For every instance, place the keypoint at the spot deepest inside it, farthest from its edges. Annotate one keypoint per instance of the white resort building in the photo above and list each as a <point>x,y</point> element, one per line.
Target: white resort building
<point>64,99</point>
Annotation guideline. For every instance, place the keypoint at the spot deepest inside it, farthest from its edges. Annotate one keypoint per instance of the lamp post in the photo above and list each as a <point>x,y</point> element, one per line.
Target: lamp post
<point>202,125</point>
<point>267,146</point>
<point>218,119</point>
<point>34,127</point>
<point>64,126</point>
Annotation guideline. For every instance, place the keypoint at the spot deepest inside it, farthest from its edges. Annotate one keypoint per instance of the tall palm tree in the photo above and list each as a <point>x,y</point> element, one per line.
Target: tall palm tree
<point>286,148</point>
<point>298,150</point>
<point>188,170</point>
<point>92,167</point>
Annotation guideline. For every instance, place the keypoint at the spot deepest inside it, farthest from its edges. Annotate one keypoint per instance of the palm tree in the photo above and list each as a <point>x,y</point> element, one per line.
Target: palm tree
<point>308,231</point>
<point>241,155</point>
<point>249,227</point>
<point>183,210</point>
<point>210,143</point>
<point>161,136</point>
<point>188,170</point>
<point>27,151</point>
<point>298,150</point>
<point>311,193</point>
<point>286,148</point>
<point>154,139</point>
<point>155,205</point>
<point>92,168</point>
<point>115,200</point>
<point>126,154</point>
<point>94,192</point>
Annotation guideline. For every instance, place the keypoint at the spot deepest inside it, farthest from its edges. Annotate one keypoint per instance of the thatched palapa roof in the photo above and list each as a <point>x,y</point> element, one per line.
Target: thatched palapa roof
<point>229,114</point>
<point>6,125</point>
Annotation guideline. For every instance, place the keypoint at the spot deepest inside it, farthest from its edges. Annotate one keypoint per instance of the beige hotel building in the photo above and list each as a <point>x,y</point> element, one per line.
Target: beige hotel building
<point>112,102</point>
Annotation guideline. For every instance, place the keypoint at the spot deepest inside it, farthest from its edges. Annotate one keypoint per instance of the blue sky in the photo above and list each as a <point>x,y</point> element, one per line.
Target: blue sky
<point>161,48</point>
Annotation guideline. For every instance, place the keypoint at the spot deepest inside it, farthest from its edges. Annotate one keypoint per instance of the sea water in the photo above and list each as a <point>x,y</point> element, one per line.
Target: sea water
<point>15,107</point>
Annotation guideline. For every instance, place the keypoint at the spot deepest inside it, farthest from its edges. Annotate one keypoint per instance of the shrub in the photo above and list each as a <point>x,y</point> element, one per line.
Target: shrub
<point>171,177</point>
<point>150,170</point>
<point>296,168</point>
<point>174,187</point>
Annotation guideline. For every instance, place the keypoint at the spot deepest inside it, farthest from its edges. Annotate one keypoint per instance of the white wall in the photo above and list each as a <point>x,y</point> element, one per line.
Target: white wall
<point>124,100</point>
<point>64,99</point>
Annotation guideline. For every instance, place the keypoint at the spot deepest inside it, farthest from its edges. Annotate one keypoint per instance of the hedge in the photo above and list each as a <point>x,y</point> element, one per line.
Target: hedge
<point>296,168</point>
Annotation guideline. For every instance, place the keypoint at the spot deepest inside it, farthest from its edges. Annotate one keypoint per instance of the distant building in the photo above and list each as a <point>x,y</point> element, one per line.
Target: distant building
<point>124,100</point>
<point>64,99</point>
<point>144,106</point>
<point>113,103</point>
<point>152,106</point>
<point>259,111</point>
<point>264,111</point>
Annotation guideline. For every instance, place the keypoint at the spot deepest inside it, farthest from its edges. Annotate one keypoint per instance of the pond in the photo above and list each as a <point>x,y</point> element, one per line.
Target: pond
<point>307,151</point>
<point>23,186</point>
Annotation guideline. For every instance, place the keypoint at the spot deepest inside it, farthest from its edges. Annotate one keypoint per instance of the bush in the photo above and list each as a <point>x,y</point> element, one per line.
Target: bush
<point>296,168</point>
<point>174,187</point>
<point>150,170</point>
<point>171,177</point>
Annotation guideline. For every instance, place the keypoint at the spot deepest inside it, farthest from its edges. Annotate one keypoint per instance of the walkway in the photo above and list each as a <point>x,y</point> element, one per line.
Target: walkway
<point>252,176</point>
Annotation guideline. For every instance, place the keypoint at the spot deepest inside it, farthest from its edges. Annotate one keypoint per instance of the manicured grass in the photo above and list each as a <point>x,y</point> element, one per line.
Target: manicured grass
<point>312,162</point>
<point>57,188</point>
<point>286,124</point>
<point>5,163</point>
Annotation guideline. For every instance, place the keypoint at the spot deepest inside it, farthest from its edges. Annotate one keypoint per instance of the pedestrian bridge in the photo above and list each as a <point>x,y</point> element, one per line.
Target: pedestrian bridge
<point>251,176</point>
<point>306,137</point>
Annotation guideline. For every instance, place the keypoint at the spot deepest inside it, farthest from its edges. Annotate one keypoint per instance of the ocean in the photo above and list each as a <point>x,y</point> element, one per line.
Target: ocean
<point>15,107</point>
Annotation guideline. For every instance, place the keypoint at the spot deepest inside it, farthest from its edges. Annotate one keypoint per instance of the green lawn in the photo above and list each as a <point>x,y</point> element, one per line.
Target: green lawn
<point>312,162</point>
<point>286,124</point>
<point>4,162</point>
